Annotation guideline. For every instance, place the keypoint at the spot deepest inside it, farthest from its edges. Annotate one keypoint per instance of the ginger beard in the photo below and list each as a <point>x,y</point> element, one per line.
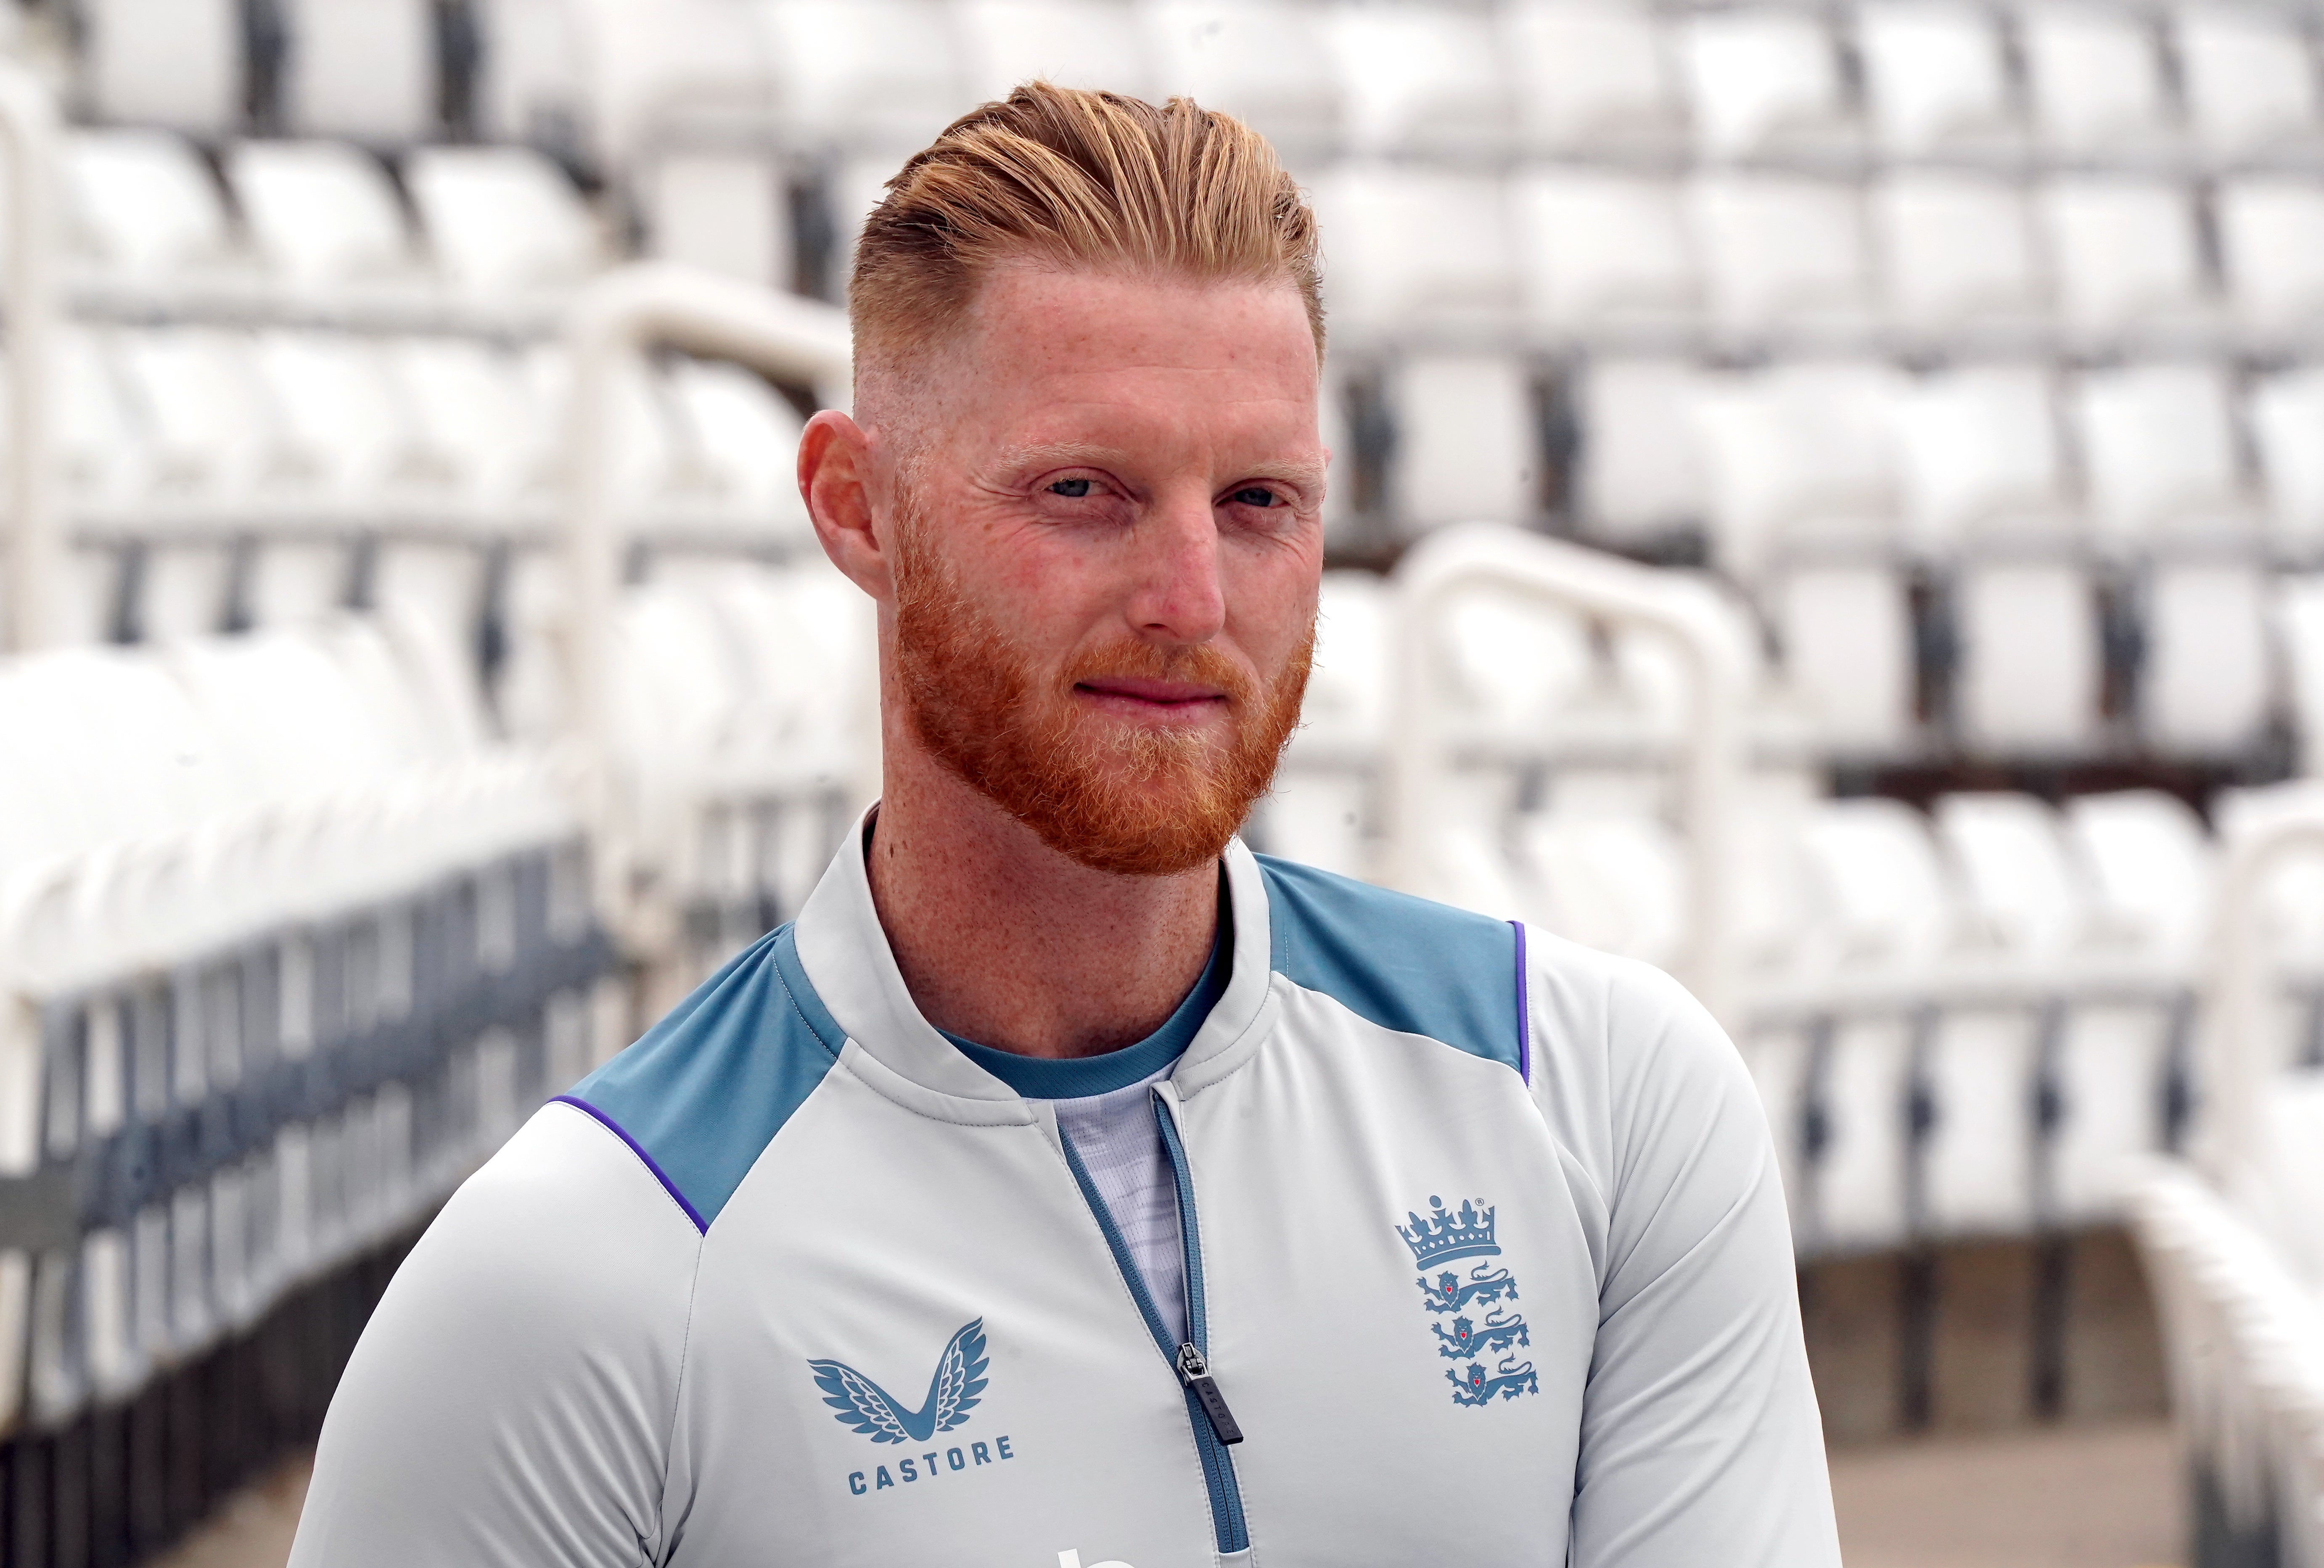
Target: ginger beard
<point>1109,796</point>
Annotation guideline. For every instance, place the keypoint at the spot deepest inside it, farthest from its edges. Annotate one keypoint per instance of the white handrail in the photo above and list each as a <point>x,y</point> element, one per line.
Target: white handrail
<point>2237,1019</point>
<point>31,609</point>
<point>629,311</point>
<point>1459,560</point>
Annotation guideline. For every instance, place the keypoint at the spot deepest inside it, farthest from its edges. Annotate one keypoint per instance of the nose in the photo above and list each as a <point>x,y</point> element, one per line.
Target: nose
<point>1176,595</point>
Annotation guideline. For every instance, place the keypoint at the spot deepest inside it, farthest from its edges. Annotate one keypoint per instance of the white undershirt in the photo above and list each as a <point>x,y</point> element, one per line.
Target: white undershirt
<point>1120,1146</point>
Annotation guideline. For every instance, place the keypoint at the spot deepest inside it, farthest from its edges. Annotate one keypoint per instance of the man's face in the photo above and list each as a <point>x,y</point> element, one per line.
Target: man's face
<point>1107,543</point>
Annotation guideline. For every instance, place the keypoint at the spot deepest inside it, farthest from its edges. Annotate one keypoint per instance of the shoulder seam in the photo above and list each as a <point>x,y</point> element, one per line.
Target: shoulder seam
<point>804,1022</point>
<point>669,1188</point>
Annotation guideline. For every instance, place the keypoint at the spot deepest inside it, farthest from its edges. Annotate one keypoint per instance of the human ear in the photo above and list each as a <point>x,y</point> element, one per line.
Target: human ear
<point>834,471</point>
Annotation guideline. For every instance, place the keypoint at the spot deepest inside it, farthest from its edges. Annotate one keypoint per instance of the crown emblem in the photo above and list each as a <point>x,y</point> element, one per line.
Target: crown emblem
<point>1441,1237</point>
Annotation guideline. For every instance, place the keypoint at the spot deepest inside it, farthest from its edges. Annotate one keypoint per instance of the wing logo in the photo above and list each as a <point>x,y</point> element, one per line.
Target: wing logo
<point>955,1390</point>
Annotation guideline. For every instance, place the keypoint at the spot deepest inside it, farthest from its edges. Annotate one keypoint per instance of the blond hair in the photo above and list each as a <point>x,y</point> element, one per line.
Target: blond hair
<point>1071,178</point>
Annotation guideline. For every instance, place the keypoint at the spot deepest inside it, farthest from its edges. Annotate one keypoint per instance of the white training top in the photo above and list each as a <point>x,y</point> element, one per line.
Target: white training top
<point>1485,1259</point>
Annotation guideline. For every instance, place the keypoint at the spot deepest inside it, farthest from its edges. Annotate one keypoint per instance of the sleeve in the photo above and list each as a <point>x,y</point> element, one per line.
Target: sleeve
<point>1701,1437</point>
<point>511,1399</point>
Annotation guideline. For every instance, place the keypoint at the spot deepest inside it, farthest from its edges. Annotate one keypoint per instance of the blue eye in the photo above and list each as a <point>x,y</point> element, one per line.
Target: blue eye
<point>1071,489</point>
<point>1255,495</point>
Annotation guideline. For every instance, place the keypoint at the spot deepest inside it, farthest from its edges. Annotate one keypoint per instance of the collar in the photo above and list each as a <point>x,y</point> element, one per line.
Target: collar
<point>846,958</point>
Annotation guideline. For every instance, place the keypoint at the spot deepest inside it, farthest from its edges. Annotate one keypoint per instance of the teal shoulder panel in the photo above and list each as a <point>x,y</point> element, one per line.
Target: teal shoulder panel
<point>707,1088</point>
<point>1406,964</point>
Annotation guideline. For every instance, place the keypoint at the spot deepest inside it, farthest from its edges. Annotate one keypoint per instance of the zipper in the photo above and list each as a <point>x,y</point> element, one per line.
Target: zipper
<point>1213,1423</point>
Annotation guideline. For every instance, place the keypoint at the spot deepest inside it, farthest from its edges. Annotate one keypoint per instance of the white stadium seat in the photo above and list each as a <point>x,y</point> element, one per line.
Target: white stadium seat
<point>1466,446</point>
<point>1846,636</point>
<point>1978,454</point>
<point>2158,445</point>
<point>742,443</point>
<point>1075,44</point>
<point>166,62</point>
<point>1265,62</point>
<point>1643,467</point>
<point>2030,671</point>
<point>481,438</point>
<point>141,203</point>
<point>500,219</point>
<point>2299,621</point>
<point>2147,865</point>
<point>1779,249</point>
<point>1955,248</point>
<point>2124,249</point>
<point>883,71</point>
<point>2095,73</point>
<point>366,69</point>
<point>1759,77</point>
<point>2286,417</point>
<point>2272,249</point>
<point>1405,244</point>
<point>1801,455</point>
<point>1597,246</point>
<point>2250,79</point>
<point>532,81</point>
<point>1590,72</point>
<point>321,212</point>
<point>1933,73</point>
<point>2207,686</point>
<point>1419,77</point>
<point>725,212</point>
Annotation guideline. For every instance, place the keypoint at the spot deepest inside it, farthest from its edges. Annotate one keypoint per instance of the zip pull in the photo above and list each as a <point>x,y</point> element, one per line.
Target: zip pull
<point>1196,1373</point>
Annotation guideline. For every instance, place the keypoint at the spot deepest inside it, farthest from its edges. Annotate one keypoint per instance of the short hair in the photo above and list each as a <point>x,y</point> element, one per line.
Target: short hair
<point>1078,178</point>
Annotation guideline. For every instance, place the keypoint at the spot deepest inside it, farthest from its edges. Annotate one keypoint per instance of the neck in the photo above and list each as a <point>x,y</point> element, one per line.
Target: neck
<point>1006,942</point>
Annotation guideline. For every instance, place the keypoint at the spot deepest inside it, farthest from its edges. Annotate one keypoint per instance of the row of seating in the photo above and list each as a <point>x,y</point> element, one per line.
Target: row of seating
<point>144,206</point>
<point>1909,76</point>
<point>287,944</point>
<point>1567,251</point>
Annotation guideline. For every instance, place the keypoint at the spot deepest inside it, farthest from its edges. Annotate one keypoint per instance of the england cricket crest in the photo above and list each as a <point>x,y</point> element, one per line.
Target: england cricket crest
<point>1463,1236</point>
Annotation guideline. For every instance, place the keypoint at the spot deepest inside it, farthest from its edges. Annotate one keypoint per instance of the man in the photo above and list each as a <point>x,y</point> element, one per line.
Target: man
<point>1068,1186</point>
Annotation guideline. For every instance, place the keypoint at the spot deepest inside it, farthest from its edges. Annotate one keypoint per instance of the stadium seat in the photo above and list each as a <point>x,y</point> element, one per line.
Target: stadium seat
<point>1406,246</point>
<point>2286,420</point>
<point>1467,448</point>
<point>1759,78</point>
<point>2300,618</point>
<point>2095,75</point>
<point>2030,671</point>
<point>880,72</point>
<point>1644,471</point>
<point>140,203</point>
<point>2158,447</point>
<point>481,437</point>
<point>321,212</point>
<point>1800,455</point>
<point>501,218</point>
<point>1591,73</point>
<point>1779,249</point>
<point>1977,454</point>
<point>1615,882</point>
<point>2272,249</point>
<point>1265,62</point>
<point>1595,248</point>
<point>1075,44</point>
<point>1955,249</point>
<point>1847,636</point>
<point>1419,78</point>
<point>2207,686</point>
<point>531,72</point>
<point>364,69</point>
<point>677,73</point>
<point>2124,250</point>
<point>723,212</point>
<point>739,441</point>
<point>1933,74</point>
<point>177,63</point>
<point>2249,78</point>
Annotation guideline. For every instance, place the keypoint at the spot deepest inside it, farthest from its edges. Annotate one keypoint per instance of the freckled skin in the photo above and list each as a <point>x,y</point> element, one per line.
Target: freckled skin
<point>1100,457</point>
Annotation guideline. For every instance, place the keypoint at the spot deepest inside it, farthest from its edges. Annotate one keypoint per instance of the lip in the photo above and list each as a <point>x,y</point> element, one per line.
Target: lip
<point>1152,696</point>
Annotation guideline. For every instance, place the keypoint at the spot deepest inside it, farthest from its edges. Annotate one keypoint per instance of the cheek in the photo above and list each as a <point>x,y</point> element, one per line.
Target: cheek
<point>1271,603</point>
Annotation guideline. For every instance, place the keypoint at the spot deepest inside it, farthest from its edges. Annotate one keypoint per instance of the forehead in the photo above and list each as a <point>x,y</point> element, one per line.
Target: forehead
<point>1045,346</point>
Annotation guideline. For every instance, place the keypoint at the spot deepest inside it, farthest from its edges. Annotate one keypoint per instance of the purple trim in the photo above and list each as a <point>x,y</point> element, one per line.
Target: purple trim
<point>637,1148</point>
<point>1524,1016</point>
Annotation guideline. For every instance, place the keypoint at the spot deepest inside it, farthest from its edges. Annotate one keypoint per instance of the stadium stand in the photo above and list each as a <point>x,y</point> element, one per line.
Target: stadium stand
<point>1947,374</point>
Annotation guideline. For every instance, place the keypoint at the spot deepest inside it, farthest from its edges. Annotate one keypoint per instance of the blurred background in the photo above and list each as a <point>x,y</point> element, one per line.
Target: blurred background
<point>1828,498</point>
